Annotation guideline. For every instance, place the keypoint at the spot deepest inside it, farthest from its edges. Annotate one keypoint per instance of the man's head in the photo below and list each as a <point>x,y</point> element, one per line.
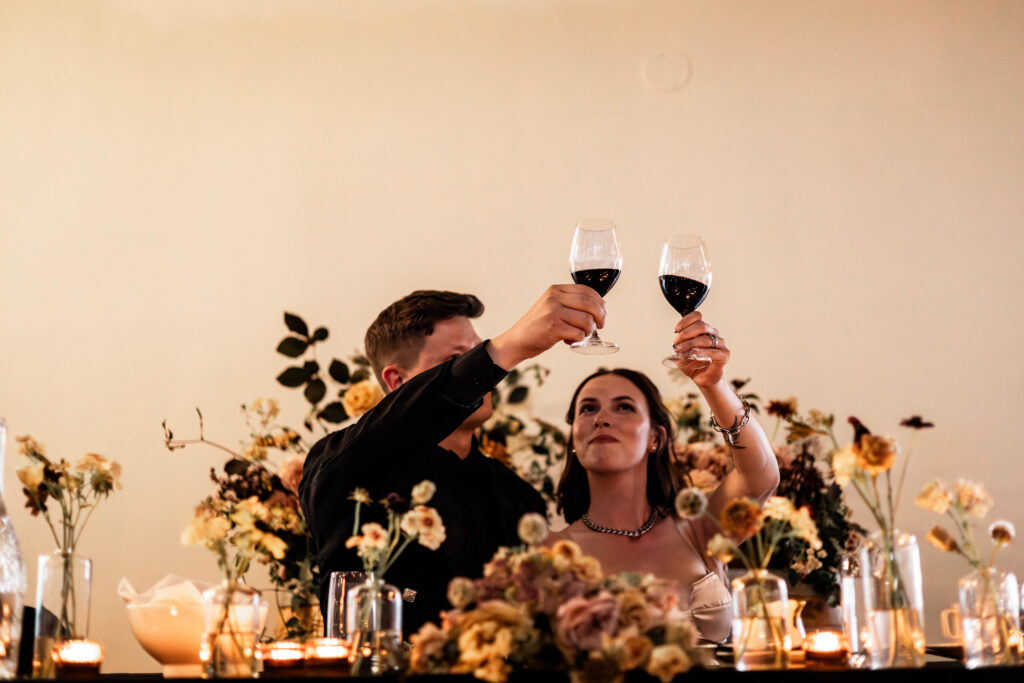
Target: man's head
<point>419,331</point>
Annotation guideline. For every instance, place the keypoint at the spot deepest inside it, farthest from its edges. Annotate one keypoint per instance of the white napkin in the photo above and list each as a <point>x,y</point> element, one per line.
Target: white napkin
<point>170,589</point>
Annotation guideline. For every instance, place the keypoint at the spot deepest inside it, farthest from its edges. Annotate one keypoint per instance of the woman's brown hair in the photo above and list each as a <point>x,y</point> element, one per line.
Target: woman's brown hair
<point>664,479</point>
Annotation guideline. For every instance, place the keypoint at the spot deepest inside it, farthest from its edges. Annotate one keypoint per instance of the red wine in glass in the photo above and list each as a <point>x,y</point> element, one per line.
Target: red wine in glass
<point>685,278</point>
<point>595,261</point>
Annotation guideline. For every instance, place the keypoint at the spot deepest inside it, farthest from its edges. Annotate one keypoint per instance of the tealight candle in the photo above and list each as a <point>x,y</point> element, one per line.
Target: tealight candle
<point>283,655</point>
<point>328,653</point>
<point>77,658</point>
<point>826,647</point>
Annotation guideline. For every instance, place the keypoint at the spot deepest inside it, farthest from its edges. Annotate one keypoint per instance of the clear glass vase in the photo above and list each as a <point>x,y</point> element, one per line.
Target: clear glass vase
<point>759,637</point>
<point>894,602</point>
<point>989,609</point>
<point>231,620</point>
<point>851,598</point>
<point>373,620</point>
<point>12,581</point>
<point>63,592</point>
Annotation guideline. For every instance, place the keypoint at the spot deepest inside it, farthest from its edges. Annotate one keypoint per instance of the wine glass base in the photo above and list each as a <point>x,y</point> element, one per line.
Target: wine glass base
<point>590,347</point>
<point>677,360</point>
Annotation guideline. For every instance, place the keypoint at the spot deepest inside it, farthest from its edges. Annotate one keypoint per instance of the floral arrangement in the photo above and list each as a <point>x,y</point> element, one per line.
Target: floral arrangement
<point>767,526</point>
<point>379,547</point>
<point>553,608</point>
<point>255,512</point>
<point>77,488</point>
<point>962,502</point>
<point>804,478</point>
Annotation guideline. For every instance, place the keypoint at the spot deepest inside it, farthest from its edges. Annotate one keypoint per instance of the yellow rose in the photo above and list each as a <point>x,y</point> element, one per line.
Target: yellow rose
<point>361,396</point>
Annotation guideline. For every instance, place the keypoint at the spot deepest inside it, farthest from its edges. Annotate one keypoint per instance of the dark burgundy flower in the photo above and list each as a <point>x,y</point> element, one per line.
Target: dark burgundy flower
<point>916,422</point>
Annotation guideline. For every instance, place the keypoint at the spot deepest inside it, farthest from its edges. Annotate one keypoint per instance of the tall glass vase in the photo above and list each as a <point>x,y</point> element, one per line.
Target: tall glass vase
<point>231,621</point>
<point>759,638</point>
<point>12,581</point>
<point>373,619</point>
<point>894,602</point>
<point>63,592</point>
<point>989,609</point>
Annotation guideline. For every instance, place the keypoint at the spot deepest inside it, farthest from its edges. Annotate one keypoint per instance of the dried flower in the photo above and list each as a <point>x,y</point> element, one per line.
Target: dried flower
<point>875,454</point>
<point>667,661</point>
<point>722,548</point>
<point>1001,532</point>
<point>941,539</point>
<point>291,473</point>
<point>691,502</point>
<point>582,621</point>
<point>782,409</point>
<point>844,465</point>
<point>360,495</point>
<point>972,498</point>
<point>461,592</point>
<point>916,422</point>
<point>741,518</point>
<point>935,497</point>
<point>533,528</point>
<point>425,524</point>
<point>31,475</point>
<point>361,396</point>
<point>423,492</point>
<point>704,480</point>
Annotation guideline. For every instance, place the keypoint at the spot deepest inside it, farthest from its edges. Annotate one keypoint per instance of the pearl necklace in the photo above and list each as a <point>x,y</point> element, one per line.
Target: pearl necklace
<point>630,533</point>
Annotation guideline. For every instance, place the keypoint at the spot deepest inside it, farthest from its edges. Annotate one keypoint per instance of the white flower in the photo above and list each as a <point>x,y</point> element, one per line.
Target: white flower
<point>423,492</point>
<point>721,547</point>
<point>425,524</point>
<point>935,497</point>
<point>844,465</point>
<point>533,528</point>
<point>972,497</point>
<point>691,502</point>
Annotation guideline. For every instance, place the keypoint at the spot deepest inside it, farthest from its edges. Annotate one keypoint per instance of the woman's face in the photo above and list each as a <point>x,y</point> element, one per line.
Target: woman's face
<point>611,430</point>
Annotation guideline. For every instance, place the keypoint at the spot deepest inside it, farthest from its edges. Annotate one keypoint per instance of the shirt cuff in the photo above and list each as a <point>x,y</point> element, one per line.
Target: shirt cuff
<point>472,375</point>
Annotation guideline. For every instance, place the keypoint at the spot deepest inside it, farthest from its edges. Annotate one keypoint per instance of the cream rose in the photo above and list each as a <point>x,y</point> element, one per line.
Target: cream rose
<point>361,396</point>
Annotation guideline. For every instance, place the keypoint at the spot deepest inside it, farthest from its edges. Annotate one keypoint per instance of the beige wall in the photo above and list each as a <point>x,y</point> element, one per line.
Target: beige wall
<point>174,174</point>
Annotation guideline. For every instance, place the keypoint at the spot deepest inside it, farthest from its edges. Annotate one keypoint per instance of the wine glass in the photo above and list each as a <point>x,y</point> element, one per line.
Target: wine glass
<point>685,277</point>
<point>595,261</point>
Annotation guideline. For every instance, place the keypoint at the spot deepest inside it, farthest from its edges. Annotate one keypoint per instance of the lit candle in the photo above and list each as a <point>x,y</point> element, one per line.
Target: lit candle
<point>327,652</point>
<point>77,658</point>
<point>827,647</point>
<point>283,655</point>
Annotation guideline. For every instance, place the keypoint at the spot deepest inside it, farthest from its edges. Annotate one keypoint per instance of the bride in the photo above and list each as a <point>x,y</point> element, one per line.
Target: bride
<point>619,485</point>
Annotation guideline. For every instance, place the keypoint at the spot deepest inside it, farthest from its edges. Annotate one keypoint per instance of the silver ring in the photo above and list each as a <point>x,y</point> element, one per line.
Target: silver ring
<point>714,340</point>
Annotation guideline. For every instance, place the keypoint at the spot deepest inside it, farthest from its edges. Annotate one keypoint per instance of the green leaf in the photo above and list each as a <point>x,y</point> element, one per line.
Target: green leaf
<point>296,324</point>
<point>315,391</point>
<point>333,412</point>
<point>338,371</point>
<point>320,334</point>
<point>293,377</point>
<point>293,347</point>
<point>518,395</point>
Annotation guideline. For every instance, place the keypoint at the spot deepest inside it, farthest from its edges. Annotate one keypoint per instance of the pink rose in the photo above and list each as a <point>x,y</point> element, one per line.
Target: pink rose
<point>580,622</point>
<point>291,473</point>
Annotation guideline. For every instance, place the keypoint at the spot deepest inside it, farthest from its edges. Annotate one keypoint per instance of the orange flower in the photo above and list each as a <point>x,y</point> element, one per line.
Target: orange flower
<point>741,518</point>
<point>875,454</point>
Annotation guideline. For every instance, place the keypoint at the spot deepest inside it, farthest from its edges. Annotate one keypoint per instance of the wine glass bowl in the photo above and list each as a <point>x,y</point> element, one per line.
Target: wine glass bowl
<point>685,278</point>
<point>595,261</point>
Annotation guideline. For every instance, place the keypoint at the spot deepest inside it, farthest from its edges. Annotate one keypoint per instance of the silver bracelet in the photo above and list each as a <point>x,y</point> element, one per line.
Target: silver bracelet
<point>732,433</point>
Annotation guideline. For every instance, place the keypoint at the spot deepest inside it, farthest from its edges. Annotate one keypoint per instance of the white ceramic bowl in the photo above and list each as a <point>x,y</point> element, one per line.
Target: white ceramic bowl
<point>171,634</point>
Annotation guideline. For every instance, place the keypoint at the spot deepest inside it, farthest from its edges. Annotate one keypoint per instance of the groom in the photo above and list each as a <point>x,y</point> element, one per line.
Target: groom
<point>438,375</point>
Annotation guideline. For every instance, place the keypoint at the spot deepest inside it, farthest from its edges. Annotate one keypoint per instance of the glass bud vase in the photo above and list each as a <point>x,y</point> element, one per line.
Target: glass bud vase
<point>12,582</point>
<point>894,602</point>
<point>989,605</point>
<point>63,591</point>
<point>373,620</point>
<point>760,641</point>
<point>231,616</point>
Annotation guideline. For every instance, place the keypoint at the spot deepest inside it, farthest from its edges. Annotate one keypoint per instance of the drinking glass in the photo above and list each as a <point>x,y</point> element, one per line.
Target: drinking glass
<point>595,261</point>
<point>340,584</point>
<point>685,278</point>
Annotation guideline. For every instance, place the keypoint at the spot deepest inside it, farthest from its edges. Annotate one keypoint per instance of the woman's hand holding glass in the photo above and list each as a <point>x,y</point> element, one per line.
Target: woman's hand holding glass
<point>692,333</point>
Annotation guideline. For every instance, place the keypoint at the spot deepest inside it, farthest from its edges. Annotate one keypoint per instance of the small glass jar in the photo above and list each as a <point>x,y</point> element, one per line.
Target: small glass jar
<point>989,605</point>
<point>759,637</point>
<point>63,591</point>
<point>231,616</point>
<point>373,621</point>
